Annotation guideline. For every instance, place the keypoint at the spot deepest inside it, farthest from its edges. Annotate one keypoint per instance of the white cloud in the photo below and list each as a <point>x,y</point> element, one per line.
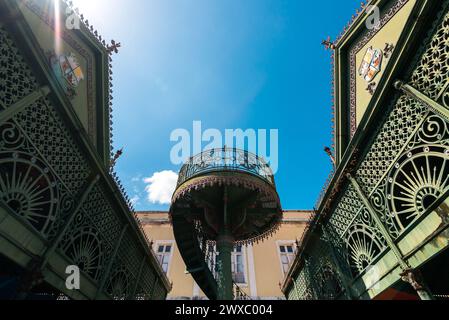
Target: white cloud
<point>135,200</point>
<point>160,186</point>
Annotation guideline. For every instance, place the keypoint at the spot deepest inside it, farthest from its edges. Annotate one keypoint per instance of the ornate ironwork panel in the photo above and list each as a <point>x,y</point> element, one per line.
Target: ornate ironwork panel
<point>346,210</point>
<point>93,235</point>
<point>43,174</point>
<point>146,285</point>
<point>159,292</point>
<point>125,273</point>
<point>120,282</point>
<point>46,131</point>
<point>318,278</point>
<point>103,215</point>
<point>323,272</point>
<point>130,254</point>
<point>30,189</point>
<point>85,247</point>
<point>351,223</point>
<point>292,295</point>
<point>432,74</point>
<point>16,79</point>
<point>28,183</point>
<point>329,286</point>
<point>304,283</point>
<point>419,176</point>
<point>364,242</point>
<point>390,140</point>
<point>403,171</point>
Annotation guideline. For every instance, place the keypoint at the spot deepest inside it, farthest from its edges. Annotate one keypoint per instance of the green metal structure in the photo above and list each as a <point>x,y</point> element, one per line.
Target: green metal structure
<point>381,228</point>
<point>61,204</point>
<point>223,197</point>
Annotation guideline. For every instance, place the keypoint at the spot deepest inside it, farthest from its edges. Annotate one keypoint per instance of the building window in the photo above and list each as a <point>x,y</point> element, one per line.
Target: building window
<point>237,263</point>
<point>163,254</point>
<point>287,254</point>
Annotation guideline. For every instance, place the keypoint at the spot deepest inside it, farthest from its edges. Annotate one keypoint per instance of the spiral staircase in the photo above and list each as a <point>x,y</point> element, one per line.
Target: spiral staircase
<point>223,197</point>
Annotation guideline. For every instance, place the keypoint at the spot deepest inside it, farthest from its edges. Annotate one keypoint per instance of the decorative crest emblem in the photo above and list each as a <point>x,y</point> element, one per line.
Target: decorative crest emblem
<point>68,71</point>
<point>371,64</point>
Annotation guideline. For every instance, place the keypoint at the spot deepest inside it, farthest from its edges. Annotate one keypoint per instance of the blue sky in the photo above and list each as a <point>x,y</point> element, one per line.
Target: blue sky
<point>231,64</point>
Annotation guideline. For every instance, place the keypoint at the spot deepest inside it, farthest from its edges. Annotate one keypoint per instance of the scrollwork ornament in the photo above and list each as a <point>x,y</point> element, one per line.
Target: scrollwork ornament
<point>433,130</point>
<point>365,217</point>
<point>10,137</point>
<point>67,204</point>
<point>378,200</point>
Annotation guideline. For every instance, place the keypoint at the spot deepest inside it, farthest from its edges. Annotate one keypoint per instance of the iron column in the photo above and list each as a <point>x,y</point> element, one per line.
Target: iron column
<point>225,245</point>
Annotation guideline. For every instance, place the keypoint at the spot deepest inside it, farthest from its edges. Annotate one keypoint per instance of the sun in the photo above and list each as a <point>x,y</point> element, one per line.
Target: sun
<point>89,7</point>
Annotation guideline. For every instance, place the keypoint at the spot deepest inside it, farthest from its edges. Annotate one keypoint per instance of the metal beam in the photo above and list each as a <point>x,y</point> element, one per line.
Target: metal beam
<point>22,104</point>
<point>408,275</point>
<point>423,99</point>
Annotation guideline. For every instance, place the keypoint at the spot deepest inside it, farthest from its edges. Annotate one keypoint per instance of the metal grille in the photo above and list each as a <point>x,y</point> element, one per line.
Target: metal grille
<point>145,289</point>
<point>45,129</point>
<point>102,215</point>
<point>390,140</point>
<point>16,79</point>
<point>346,210</point>
<point>432,74</point>
<point>120,282</point>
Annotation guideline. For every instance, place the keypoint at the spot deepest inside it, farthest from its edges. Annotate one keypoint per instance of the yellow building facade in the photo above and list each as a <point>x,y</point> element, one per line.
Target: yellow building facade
<point>257,269</point>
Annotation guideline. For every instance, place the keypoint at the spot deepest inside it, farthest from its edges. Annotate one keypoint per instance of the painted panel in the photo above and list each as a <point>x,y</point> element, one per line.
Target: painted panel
<point>371,58</point>
<point>71,60</point>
